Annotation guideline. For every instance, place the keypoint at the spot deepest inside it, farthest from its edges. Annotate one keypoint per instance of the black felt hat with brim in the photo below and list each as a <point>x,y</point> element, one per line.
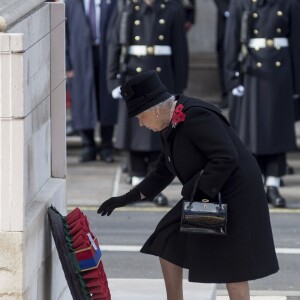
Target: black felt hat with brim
<point>143,92</point>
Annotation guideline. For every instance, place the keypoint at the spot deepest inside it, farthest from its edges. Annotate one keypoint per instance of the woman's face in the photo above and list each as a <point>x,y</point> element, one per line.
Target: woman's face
<point>150,120</point>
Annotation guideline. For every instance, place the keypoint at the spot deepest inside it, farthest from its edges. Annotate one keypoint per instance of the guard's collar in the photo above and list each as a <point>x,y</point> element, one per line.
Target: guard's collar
<point>155,6</point>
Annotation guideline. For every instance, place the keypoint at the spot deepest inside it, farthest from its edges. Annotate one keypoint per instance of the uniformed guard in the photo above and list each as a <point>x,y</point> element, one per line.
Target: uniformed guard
<point>262,63</point>
<point>146,35</point>
<point>189,7</point>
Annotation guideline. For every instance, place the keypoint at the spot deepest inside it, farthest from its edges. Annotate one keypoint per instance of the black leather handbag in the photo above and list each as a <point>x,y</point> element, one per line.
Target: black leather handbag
<point>204,216</point>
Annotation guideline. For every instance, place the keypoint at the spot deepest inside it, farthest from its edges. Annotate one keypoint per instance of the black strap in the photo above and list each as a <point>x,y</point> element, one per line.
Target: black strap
<point>195,188</point>
<point>196,185</point>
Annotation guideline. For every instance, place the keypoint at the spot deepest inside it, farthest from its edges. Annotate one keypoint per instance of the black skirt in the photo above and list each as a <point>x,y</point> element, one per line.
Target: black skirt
<point>245,253</point>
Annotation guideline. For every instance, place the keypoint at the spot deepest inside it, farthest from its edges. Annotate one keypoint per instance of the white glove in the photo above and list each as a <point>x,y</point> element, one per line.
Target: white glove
<point>226,14</point>
<point>116,93</point>
<point>238,91</point>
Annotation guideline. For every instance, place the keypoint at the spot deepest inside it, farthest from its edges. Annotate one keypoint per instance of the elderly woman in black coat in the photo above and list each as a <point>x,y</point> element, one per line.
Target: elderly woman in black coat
<point>196,139</point>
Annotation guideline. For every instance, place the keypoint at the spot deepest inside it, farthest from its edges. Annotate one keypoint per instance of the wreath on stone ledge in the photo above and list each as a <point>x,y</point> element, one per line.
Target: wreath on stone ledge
<point>79,254</point>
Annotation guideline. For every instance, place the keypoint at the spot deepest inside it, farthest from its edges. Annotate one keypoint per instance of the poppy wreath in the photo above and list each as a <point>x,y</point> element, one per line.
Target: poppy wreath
<point>80,255</point>
<point>178,115</point>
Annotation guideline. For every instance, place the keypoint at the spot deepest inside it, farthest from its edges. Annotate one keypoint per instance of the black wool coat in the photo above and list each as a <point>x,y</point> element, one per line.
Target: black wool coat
<point>205,141</point>
<point>87,108</point>
<point>162,25</point>
<point>264,118</point>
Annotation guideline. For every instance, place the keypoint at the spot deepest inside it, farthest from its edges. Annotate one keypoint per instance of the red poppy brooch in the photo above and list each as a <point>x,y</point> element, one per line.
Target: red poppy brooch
<point>178,115</point>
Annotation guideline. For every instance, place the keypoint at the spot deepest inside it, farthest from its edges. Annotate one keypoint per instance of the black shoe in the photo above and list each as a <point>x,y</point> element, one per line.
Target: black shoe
<point>88,154</point>
<point>289,170</point>
<point>161,200</point>
<point>106,155</point>
<point>274,197</point>
<point>70,131</point>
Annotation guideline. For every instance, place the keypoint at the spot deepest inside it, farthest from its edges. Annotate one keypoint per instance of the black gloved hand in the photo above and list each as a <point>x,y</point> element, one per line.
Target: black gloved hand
<point>107,207</point>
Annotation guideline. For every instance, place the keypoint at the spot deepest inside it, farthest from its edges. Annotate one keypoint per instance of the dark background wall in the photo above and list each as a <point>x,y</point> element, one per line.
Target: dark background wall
<point>203,76</point>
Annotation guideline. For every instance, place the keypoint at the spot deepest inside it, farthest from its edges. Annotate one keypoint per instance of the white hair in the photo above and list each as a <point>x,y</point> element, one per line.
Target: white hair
<point>165,103</point>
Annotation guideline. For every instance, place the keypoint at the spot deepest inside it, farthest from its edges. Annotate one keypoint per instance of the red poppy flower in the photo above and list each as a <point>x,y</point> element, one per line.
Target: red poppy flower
<point>178,115</point>
<point>179,108</point>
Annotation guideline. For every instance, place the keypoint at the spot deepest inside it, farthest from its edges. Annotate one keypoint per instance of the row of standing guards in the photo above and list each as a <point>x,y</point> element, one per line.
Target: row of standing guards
<point>109,42</point>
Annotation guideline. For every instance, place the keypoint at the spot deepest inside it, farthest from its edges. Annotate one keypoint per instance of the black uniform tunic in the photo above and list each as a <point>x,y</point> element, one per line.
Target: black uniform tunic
<point>264,117</point>
<point>162,24</point>
<point>206,141</point>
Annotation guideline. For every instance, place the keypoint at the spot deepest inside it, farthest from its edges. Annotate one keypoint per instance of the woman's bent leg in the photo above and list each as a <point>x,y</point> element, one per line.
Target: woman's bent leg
<point>238,290</point>
<point>173,279</point>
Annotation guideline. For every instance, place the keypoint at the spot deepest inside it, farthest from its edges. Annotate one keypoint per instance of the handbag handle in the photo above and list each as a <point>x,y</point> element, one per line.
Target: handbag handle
<point>195,188</point>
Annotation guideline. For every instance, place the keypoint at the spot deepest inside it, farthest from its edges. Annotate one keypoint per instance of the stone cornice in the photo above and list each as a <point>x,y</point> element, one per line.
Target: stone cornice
<point>13,10</point>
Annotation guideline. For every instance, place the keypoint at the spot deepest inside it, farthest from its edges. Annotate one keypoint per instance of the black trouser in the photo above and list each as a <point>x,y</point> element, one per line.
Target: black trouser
<point>272,165</point>
<point>106,134</point>
<point>106,131</point>
<point>87,137</point>
<point>142,163</point>
<point>221,25</point>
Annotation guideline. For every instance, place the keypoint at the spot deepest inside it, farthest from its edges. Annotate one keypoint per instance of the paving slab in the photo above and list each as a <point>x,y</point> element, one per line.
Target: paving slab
<point>149,289</point>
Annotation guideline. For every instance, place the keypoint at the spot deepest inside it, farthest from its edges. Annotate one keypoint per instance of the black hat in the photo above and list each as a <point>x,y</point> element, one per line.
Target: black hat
<point>142,92</point>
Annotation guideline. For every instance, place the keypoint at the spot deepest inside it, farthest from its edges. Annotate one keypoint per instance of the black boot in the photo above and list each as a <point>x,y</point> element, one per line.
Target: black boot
<point>106,155</point>
<point>281,182</point>
<point>274,197</point>
<point>289,170</point>
<point>88,154</point>
<point>106,149</point>
<point>88,145</point>
<point>161,200</point>
<point>70,131</point>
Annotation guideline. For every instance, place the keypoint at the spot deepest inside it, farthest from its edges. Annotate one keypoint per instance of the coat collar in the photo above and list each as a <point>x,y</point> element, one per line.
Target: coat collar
<point>261,3</point>
<point>170,131</point>
<point>144,7</point>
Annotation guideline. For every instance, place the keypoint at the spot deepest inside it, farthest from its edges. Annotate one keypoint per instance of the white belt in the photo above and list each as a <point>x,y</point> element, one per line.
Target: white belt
<point>149,50</point>
<point>264,43</point>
